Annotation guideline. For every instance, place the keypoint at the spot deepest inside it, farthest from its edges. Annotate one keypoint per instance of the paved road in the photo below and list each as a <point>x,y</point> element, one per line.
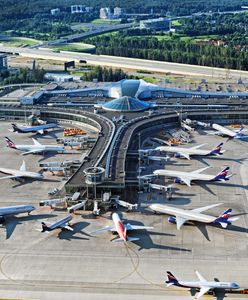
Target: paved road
<point>129,63</point>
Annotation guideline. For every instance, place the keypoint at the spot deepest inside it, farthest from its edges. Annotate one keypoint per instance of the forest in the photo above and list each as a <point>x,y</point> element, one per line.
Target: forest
<point>192,43</point>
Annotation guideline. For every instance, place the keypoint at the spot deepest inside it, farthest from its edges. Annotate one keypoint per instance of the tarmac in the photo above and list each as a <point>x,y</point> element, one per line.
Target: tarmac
<point>77,265</point>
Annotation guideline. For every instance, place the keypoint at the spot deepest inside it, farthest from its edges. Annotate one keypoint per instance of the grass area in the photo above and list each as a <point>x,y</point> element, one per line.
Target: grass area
<point>176,23</point>
<point>19,41</point>
<point>149,79</point>
<point>74,47</point>
<point>105,22</point>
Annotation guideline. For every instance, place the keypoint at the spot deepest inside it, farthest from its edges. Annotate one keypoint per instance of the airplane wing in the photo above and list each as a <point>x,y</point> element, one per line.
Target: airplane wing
<point>104,229</point>
<point>10,177</point>
<point>36,142</point>
<point>180,221</point>
<point>186,155</point>
<point>31,152</point>
<point>41,131</point>
<point>200,170</point>
<point>67,227</point>
<point>136,227</point>
<point>186,180</point>
<point>203,291</point>
<point>197,147</point>
<point>202,209</point>
<point>200,277</point>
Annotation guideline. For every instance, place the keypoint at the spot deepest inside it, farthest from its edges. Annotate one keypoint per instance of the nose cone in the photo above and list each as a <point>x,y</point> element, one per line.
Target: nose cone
<point>234,285</point>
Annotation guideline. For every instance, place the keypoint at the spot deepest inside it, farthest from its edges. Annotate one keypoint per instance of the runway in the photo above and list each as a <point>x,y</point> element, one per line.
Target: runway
<point>128,63</point>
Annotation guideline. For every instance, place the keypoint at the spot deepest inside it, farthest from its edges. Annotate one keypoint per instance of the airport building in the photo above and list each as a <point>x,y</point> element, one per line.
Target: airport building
<point>119,12</point>
<point>55,11</point>
<point>3,63</point>
<point>105,13</point>
<point>77,9</point>
<point>58,77</point>
<point>156,24</point>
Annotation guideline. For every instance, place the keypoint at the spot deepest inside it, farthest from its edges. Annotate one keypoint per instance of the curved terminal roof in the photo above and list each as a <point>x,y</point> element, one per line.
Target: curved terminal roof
<point>126,104</point>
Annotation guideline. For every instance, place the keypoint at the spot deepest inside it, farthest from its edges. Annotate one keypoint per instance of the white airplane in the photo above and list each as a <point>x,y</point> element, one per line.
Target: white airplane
<point>232,134</point>
<point>187,152</point>
<point>204,285</point>
<point>181,216</point>
<point>14,210</point>
<point>41,129</point>
<point>187,177</point>
<point>19,174</point>
<point>121,229</point>
<point>36,148</point>
<point>63,224</point>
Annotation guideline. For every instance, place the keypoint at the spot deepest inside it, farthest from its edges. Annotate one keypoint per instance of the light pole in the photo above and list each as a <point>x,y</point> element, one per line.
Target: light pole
<point>139,160</point>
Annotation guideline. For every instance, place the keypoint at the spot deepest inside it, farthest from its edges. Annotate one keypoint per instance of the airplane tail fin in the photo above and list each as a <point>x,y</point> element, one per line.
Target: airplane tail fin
<point>239,133</point>
<point>223,175</point>
<point>217,150</point>
<point>10,144</point>
<point>224,219</point>
<point>171,279</point>
<point>44,227</point>
<point>16,128</point>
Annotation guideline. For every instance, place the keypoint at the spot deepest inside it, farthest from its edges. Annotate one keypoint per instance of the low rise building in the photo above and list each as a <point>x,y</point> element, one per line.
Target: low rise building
<point>105,13</point>
<point>159,24</point>
<point>77,9</point>
<point>119,12</point>
<point>3,63</point>
<point>55,11</point>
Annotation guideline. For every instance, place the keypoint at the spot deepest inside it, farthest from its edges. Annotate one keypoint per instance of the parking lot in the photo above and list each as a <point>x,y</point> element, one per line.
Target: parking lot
<point>77,265</point>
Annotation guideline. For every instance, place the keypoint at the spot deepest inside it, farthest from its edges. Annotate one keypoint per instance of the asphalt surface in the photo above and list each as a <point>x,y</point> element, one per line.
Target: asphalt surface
<point>129,63</point>
<point>76,265</point>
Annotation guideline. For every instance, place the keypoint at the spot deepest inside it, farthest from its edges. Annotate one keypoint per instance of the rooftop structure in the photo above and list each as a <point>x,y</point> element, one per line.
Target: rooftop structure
<point>3,63</point>
<point>105,13</point>
<point>77,9</point>
<point>156,24</point>
<point>126,104</point>
<point>55,11</point>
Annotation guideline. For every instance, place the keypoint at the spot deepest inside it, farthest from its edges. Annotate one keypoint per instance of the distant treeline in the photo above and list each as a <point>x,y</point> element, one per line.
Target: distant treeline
<point>22,9</point>
<point>171,51</point>
<point>104,74</point>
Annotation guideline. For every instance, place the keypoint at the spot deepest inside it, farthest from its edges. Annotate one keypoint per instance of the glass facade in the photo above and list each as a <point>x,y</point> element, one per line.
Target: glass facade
<point>126,104</point>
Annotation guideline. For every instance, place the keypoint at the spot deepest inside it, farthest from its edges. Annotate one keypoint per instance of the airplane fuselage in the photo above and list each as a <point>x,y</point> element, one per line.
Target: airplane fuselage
<point>120,229</point>
<point>14,210</point>
<point>188,151</point>
<point>211,284</point>
<point>41,148</point>
<point>189,175</point>
<point>224,131</point>
<point>20,173</point>
<point>59,223</point>
<point>36,129</point>
<point>190,215</point>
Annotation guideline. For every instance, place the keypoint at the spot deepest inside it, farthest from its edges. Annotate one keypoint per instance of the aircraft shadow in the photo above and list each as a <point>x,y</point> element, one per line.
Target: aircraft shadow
<point>13,221</point>
<point>30,181</point>
<point>221,158</point>
<point>203,228</point>
<point>49,135</point>
<point>146,242</point>
<point>78,229</point>
<point>219,183</point>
